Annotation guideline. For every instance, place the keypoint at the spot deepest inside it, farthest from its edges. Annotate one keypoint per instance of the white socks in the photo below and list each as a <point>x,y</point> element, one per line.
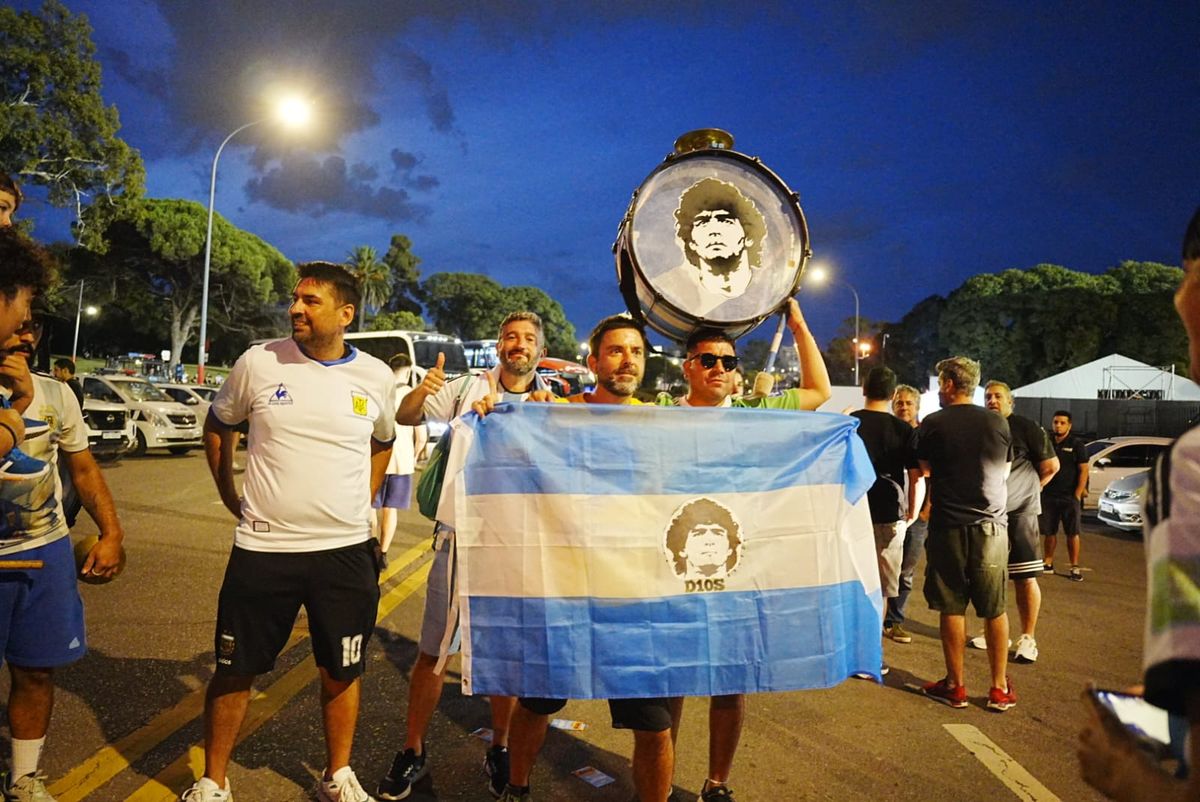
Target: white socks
<point>26,755</point>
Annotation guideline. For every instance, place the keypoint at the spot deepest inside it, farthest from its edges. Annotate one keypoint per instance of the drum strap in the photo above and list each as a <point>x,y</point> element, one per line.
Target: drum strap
<point>628,287</point>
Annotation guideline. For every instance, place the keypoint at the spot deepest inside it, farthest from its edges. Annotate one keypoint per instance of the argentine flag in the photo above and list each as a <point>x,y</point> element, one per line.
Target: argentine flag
<point>612,551</point>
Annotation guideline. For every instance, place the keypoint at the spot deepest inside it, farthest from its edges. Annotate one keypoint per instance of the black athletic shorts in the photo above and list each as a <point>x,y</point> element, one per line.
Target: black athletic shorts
<point>262,594</point>
<point>1024,546</point>
<point>1067,511</point>
<point>648,715</point>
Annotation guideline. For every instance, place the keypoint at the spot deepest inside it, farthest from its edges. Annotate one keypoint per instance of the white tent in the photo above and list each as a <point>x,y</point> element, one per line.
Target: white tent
<point>1114,376</point>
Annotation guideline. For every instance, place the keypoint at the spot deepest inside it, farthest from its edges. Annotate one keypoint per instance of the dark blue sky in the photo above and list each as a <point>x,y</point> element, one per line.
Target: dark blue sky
<point>928,142</point>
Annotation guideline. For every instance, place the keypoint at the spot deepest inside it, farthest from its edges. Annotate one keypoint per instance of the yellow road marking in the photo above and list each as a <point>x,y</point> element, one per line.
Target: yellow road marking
<point>110,761</point>
<point>999,763</point>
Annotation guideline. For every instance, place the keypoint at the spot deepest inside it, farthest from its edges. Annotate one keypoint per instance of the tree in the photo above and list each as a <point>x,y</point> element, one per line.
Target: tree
<point>472,306</point>
<point>374,278</point>
<point>154,257</point>
<point>55,130</point>
<point>406,277</point>
<point>405,321</point>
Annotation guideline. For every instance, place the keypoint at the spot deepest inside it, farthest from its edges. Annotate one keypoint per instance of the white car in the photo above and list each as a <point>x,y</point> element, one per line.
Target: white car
<point>1117,457</point>
<point>193,396</point>
<point>1121,503</point>
<point>160,421</point>
<point>110,431</point>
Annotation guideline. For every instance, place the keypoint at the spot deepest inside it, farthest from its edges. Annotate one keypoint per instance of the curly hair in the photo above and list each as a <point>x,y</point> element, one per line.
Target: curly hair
<point>711,195</point>
<point>692,514</point>
<point>23,263</point>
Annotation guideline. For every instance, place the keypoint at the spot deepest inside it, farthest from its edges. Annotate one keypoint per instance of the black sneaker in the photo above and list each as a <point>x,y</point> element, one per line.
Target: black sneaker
<point>407,768</point>
<point>495,766</point>
<point>716,793</point>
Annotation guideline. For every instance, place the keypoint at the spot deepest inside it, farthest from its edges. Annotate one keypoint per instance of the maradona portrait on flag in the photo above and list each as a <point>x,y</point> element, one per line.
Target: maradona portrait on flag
<point>616,552</point>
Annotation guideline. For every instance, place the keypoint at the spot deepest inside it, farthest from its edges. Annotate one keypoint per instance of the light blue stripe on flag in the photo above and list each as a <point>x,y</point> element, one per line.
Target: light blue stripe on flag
<point>600,449</point>
<point>701,644</point>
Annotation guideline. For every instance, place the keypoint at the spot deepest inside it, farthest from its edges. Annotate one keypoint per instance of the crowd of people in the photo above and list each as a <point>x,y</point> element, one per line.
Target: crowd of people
<point>980,491</point>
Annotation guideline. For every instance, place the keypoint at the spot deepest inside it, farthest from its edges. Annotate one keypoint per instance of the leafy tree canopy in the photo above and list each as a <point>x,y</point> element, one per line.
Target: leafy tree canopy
<point>55,129</point>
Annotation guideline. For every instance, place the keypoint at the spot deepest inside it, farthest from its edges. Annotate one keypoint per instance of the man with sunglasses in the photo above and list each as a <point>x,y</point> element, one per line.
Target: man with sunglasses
<point>41,613</point>
<point>709,369</point>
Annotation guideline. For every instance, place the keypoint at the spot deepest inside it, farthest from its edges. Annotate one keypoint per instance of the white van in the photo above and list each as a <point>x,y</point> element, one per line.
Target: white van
<point>422,348</point>
<point>160,421</point>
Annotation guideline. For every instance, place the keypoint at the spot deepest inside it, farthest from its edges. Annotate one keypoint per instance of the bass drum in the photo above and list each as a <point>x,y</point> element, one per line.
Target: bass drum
<point>711,239</point>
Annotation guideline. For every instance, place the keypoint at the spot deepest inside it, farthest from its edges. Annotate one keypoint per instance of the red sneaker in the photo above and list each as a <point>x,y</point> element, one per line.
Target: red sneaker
<point>942,692</point>
<point>1001,699</point>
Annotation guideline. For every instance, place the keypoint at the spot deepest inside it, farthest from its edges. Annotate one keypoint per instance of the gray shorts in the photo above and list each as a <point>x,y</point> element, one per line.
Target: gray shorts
<point>889,547</point>
<point>440,635</point>
<point>967,564</point>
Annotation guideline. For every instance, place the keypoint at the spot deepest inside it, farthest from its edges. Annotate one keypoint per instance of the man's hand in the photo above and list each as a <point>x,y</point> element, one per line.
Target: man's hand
<point>104,559</point>
<point>15,375</point>
<point>435,377</point>
<point>543,396</point>
<point>795,318</point>
<point>486,404</point>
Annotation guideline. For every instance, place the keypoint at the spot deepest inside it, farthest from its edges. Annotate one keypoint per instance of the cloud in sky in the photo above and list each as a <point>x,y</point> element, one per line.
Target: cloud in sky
<point>308,185</point>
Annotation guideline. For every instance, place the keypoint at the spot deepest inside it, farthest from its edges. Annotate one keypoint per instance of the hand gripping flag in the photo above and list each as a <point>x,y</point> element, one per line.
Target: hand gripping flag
<point>619,551</point>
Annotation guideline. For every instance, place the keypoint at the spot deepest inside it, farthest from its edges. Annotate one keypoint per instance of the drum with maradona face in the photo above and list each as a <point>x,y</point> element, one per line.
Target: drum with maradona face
<point>711,239</point>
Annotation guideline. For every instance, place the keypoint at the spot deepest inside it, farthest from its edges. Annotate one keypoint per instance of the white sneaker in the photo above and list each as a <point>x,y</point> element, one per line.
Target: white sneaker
<point>205,790</point>
<point>1026,650</point>
<point>981,643</point>
<point>30,788</point>
<point>342,787</point>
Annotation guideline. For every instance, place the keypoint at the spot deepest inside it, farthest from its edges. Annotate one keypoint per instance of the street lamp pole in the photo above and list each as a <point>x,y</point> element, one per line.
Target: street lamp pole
<point>212,198</point>
<point>78,315</point>
<point>857,350</point>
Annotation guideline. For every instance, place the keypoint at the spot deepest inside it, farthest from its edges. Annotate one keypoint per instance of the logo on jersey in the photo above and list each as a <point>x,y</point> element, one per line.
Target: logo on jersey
<point>359,403</point>
<point>281,396</point>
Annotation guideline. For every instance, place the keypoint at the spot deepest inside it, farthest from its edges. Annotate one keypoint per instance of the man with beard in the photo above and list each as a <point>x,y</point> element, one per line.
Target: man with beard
<point>520,345</point>
<point>41,614</point>
<point>321,429</point>
<point>1033,465</point>
<point>1063,495</point>
<point>617,351</point>
<point>709,369</point>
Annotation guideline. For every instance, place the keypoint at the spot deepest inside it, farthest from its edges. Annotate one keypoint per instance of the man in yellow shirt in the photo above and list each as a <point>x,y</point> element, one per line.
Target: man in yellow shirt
<point>617,355</point>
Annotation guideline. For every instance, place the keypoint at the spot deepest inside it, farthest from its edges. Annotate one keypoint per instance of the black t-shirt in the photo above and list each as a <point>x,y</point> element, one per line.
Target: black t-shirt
<point>891,445</point>
<point>968,449</point>
<point>1031,446</point>
<point>1072,454</point>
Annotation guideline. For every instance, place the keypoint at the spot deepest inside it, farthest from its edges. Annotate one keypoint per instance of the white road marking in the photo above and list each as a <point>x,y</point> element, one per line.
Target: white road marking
<point>998,762</point>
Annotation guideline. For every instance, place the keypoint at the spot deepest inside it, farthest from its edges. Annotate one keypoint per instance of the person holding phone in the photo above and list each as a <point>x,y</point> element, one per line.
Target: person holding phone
<point>1110,756</point>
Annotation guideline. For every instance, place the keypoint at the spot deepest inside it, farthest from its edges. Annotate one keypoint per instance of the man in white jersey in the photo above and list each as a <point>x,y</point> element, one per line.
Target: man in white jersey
<point>321,430</point>
<point>519,347</point>
<point>41,614</point>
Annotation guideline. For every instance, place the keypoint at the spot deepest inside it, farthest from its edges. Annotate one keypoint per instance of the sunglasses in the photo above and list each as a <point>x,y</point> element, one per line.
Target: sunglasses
<point>709,361</point>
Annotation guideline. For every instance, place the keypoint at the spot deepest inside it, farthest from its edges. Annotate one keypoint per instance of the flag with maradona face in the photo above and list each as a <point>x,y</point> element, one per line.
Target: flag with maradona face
<point>623,551</point>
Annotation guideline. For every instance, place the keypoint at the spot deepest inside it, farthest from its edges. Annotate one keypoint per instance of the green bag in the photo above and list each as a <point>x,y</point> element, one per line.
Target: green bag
<point>429,486</point>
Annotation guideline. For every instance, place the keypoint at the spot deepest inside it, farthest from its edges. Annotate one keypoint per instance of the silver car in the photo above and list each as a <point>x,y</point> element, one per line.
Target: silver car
<point>1121,502</point>
<point>1115,457</point>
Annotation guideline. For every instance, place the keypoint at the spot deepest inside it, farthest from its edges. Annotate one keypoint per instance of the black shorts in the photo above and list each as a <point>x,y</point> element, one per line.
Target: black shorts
<point>1024,546</point>
<point>1067,511</point>
<point>262,594</point>
<point>967,564</point>
<point>648,715</point>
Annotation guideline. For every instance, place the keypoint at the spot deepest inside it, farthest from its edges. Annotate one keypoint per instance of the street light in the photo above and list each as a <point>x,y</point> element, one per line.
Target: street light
<point>80,309</point>
<point>820,275</point>
<point>292,112</point>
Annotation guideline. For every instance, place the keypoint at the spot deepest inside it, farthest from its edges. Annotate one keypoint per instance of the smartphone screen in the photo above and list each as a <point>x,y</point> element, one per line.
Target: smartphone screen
<point>1139,716</point>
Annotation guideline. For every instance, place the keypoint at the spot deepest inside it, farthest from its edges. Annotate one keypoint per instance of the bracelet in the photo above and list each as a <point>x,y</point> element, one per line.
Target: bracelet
<point>12,433</point>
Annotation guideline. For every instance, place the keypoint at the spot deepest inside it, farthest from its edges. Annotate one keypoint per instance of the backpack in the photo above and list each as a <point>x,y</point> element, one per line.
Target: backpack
<point>429,486</point>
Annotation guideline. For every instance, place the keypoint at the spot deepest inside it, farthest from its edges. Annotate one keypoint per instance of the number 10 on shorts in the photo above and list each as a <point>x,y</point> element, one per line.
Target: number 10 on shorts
<point>351,650</point>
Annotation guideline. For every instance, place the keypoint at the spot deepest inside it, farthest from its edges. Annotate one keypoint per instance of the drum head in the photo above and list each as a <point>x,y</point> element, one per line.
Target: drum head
<point>717,238</point>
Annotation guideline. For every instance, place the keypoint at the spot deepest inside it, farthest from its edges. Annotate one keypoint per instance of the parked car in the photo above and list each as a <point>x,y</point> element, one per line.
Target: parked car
<point>1121,503</point>
<point>1116,457</point>
<point>564,376</point>
<point>160,421</point>
<point>110,432</point>
<point>192,396</point>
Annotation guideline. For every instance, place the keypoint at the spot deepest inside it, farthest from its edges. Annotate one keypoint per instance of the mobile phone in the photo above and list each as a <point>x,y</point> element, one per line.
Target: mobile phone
<point>1151,726</point>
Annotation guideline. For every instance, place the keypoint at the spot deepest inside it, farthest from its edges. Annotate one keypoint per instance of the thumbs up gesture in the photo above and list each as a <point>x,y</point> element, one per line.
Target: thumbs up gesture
<point>435,377</point>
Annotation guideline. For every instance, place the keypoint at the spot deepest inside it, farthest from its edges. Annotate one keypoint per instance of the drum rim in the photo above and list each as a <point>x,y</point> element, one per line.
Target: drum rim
<point>623,245</point>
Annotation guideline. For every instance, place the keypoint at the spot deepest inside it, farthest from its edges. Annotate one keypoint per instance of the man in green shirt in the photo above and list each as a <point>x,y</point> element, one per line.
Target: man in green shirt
<point>709,370</point>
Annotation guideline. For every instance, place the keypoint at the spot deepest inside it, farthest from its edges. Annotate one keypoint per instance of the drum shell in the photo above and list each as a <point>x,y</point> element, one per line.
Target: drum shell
<point>783,216</point>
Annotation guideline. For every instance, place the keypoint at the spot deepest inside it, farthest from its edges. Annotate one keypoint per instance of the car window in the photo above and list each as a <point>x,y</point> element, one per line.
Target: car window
<point>99,391</point>
<point>1131,456</point>
<point>181,395</point>
<point>144,391</point>
<point>1096,446</point>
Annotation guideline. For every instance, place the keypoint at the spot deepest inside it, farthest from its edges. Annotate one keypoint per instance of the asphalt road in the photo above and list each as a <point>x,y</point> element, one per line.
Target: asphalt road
<point>127,722</point>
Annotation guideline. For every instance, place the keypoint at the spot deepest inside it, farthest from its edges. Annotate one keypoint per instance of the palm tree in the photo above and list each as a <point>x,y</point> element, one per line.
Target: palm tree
<point>374,277</point>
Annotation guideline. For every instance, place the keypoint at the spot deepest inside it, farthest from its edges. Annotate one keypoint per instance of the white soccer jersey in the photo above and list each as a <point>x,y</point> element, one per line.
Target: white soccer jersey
<point>308,468</point>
